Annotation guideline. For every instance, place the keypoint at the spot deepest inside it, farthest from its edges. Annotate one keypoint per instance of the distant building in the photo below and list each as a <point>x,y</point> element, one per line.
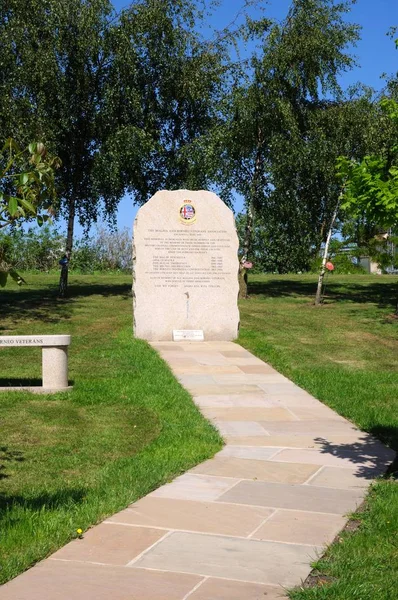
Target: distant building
<point>371,266</point>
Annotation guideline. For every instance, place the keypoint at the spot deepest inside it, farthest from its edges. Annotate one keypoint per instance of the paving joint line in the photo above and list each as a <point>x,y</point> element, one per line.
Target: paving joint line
<point>316,512</point>
<point>274,511</point>
<point>311,477</point>
<point>131,562</point>
<point>83,562</point>
<point>211,533</point>
<point>296,418</point>
<point>197,586</point>
<point>269,584</point>
<point>227,489</point>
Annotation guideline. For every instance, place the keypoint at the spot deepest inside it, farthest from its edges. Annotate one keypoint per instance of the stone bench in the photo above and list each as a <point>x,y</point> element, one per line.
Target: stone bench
<point>54,358</point>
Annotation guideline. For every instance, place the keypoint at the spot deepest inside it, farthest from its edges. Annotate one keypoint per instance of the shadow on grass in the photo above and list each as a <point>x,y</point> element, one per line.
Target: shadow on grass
<point>380,293</point>
<point>7,457</point>
<point>48,500</point>
<point>19,382</point>
<point>45,306</point>
<point>368,455</point>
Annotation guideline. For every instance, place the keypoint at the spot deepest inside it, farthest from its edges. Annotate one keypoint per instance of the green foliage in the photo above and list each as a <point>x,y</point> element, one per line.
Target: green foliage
<point>371,185</point>
<point>105,251</point>
<point>344,264</point>
<point>26,183</point>
<point>33,250</point>
<point>40,249</point>
<point>285,122</point>
<point>26,189</point>
<point>117,97</point>
<point>273,250</point>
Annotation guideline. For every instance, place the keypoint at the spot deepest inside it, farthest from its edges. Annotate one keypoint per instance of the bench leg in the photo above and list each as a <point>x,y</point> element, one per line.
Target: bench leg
<point>55,367</point>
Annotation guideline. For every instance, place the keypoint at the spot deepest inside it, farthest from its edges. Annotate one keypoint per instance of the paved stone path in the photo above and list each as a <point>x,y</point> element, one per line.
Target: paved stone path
<point>244,525</point>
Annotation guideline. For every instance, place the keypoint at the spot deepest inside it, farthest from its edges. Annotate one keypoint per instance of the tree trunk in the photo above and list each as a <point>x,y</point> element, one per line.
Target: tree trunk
<point>63,280</point>
<point>318,297</point>
<point>250,215</point>
<point>242,282</point>
<point>246,249</point>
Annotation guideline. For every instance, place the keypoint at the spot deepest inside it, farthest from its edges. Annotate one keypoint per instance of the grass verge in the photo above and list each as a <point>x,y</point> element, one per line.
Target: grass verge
<point>345,353</point>
<point>69,460</point>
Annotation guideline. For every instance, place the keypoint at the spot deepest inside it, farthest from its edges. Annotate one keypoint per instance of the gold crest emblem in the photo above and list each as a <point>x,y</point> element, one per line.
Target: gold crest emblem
<point>187,213</point>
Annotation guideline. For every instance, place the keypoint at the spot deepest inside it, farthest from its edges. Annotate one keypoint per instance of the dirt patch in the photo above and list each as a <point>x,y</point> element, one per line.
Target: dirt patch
<point>357,364</point>
<point>365,336</point>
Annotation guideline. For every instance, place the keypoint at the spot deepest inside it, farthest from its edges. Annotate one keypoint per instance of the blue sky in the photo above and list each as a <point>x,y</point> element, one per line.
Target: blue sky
<point>375,52</point>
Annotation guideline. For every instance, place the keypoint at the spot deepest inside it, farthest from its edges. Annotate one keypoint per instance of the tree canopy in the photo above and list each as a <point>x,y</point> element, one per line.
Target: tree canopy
<point>138,101</point>
<point>118,98</point>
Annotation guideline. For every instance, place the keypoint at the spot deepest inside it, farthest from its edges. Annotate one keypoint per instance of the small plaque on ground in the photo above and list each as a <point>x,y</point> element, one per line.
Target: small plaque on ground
<point>192,335</point>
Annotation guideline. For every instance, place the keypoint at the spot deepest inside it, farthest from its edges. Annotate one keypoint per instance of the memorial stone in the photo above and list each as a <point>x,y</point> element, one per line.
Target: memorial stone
<point>185,268</point>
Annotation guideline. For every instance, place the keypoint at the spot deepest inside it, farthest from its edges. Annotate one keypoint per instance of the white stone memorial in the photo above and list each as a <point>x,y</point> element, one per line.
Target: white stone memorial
<point>185,268</point>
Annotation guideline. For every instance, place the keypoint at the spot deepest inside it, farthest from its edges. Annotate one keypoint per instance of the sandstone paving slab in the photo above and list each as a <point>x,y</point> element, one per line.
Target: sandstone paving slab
<point>213,346</point>
<point>295,497</point>
<point>195,369</point>
<point>182,362</point>
<point>194,487</point>
<point>320,428</point>
<point>189,380</point>
<point>168,346</point>
<point>281,388</point>
<point>249,414</point>
<point>240,353</point>
<point>250,378</point>
<point>258,369</point>
<point>245,362</point>
<point>187,515</point>
<point>313,413</point>
<point>347,459</point>
<point>247,452</point>
<point>59,580</point>
<point>256,469</point>
<point>231,558</point>
<point>293,400</point>
<point>347,479</point>
<point>223,389</point>
<point>173,357</point>
<point>219,345</point>
<point>207,358</point>
<point>112,545</point>
<point>224,589</point>
<point>300,527</point>
<point>293,440</point>
<point>231,400</point>
<point>237,428</point>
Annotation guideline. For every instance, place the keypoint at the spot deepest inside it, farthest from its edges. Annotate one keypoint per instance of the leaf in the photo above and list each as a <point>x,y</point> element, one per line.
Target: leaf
<point>23,178</point>
<point>13,206</point>
<point>27,205</point>
<point>11,144</point>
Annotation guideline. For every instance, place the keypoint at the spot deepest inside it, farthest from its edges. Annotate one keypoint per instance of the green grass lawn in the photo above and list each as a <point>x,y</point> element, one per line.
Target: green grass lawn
<point>68,460</point>
<point>346,354</point>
